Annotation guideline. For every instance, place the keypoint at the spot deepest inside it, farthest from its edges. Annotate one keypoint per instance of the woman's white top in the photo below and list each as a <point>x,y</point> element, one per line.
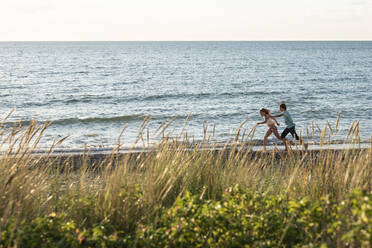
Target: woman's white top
<point>270,121</point>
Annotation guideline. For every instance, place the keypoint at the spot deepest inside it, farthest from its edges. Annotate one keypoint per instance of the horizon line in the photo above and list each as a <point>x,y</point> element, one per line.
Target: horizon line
<point>289,40</point>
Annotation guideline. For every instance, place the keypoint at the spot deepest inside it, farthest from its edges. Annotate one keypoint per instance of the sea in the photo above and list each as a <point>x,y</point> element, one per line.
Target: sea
<point>100,94</point>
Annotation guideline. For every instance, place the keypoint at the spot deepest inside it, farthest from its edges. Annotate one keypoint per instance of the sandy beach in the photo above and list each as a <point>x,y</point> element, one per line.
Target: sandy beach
<point>101,157</point>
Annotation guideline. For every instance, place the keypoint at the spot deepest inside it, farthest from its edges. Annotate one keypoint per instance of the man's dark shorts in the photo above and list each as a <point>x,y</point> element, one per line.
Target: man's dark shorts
<point>291,130</point>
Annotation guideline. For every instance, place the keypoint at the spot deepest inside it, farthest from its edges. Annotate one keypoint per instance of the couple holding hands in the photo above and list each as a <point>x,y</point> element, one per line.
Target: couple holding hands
<point>271,122</point>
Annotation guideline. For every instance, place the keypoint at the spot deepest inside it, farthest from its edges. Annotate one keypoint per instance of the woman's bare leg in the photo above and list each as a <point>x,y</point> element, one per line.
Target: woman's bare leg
<point>268,133</point>
<point>280,138</point>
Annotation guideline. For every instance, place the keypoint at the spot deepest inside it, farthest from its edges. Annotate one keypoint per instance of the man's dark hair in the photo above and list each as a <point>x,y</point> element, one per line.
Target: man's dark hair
<point>283,106</point>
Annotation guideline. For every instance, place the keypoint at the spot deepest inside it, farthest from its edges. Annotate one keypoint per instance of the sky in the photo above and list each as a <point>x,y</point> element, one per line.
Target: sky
<point>133,20</point>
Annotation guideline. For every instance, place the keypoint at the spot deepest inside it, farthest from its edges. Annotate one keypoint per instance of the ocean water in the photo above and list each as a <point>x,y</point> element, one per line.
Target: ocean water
<point>91,90</point>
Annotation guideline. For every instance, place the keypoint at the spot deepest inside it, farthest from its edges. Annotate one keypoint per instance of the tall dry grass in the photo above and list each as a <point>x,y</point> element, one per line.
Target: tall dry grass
<point>131,189</point>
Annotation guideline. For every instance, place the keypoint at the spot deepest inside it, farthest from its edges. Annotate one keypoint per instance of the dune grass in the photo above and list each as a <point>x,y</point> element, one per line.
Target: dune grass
<point>179,195</point>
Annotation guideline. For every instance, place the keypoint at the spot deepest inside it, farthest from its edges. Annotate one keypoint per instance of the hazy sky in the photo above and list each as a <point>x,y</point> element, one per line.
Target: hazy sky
<point>185,20</point>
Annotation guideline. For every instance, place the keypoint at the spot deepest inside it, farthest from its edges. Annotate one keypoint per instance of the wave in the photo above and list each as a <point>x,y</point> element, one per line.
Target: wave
<point>97,120</point>
<point>69,121</point>
<point>83,99</point>
<point>336,80</point>
<point>96,99</point>
<point>80,72</point>
<point>203,95</point>
<point>170,96</point>
<point>102,120</point>
<point>86,99</point>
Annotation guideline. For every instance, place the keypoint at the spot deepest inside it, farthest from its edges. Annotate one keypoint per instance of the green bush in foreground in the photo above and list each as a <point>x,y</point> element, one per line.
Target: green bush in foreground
<point>260,220</point>
<point>239,219</point>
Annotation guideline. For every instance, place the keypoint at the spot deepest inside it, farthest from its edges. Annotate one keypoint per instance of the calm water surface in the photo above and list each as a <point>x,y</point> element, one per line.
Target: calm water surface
<point>90,90</point>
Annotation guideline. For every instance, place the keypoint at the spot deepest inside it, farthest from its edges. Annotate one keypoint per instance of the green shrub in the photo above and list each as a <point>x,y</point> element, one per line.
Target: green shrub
<point>259,220</point>
<point>240,218</point>
<point>56,231</point>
